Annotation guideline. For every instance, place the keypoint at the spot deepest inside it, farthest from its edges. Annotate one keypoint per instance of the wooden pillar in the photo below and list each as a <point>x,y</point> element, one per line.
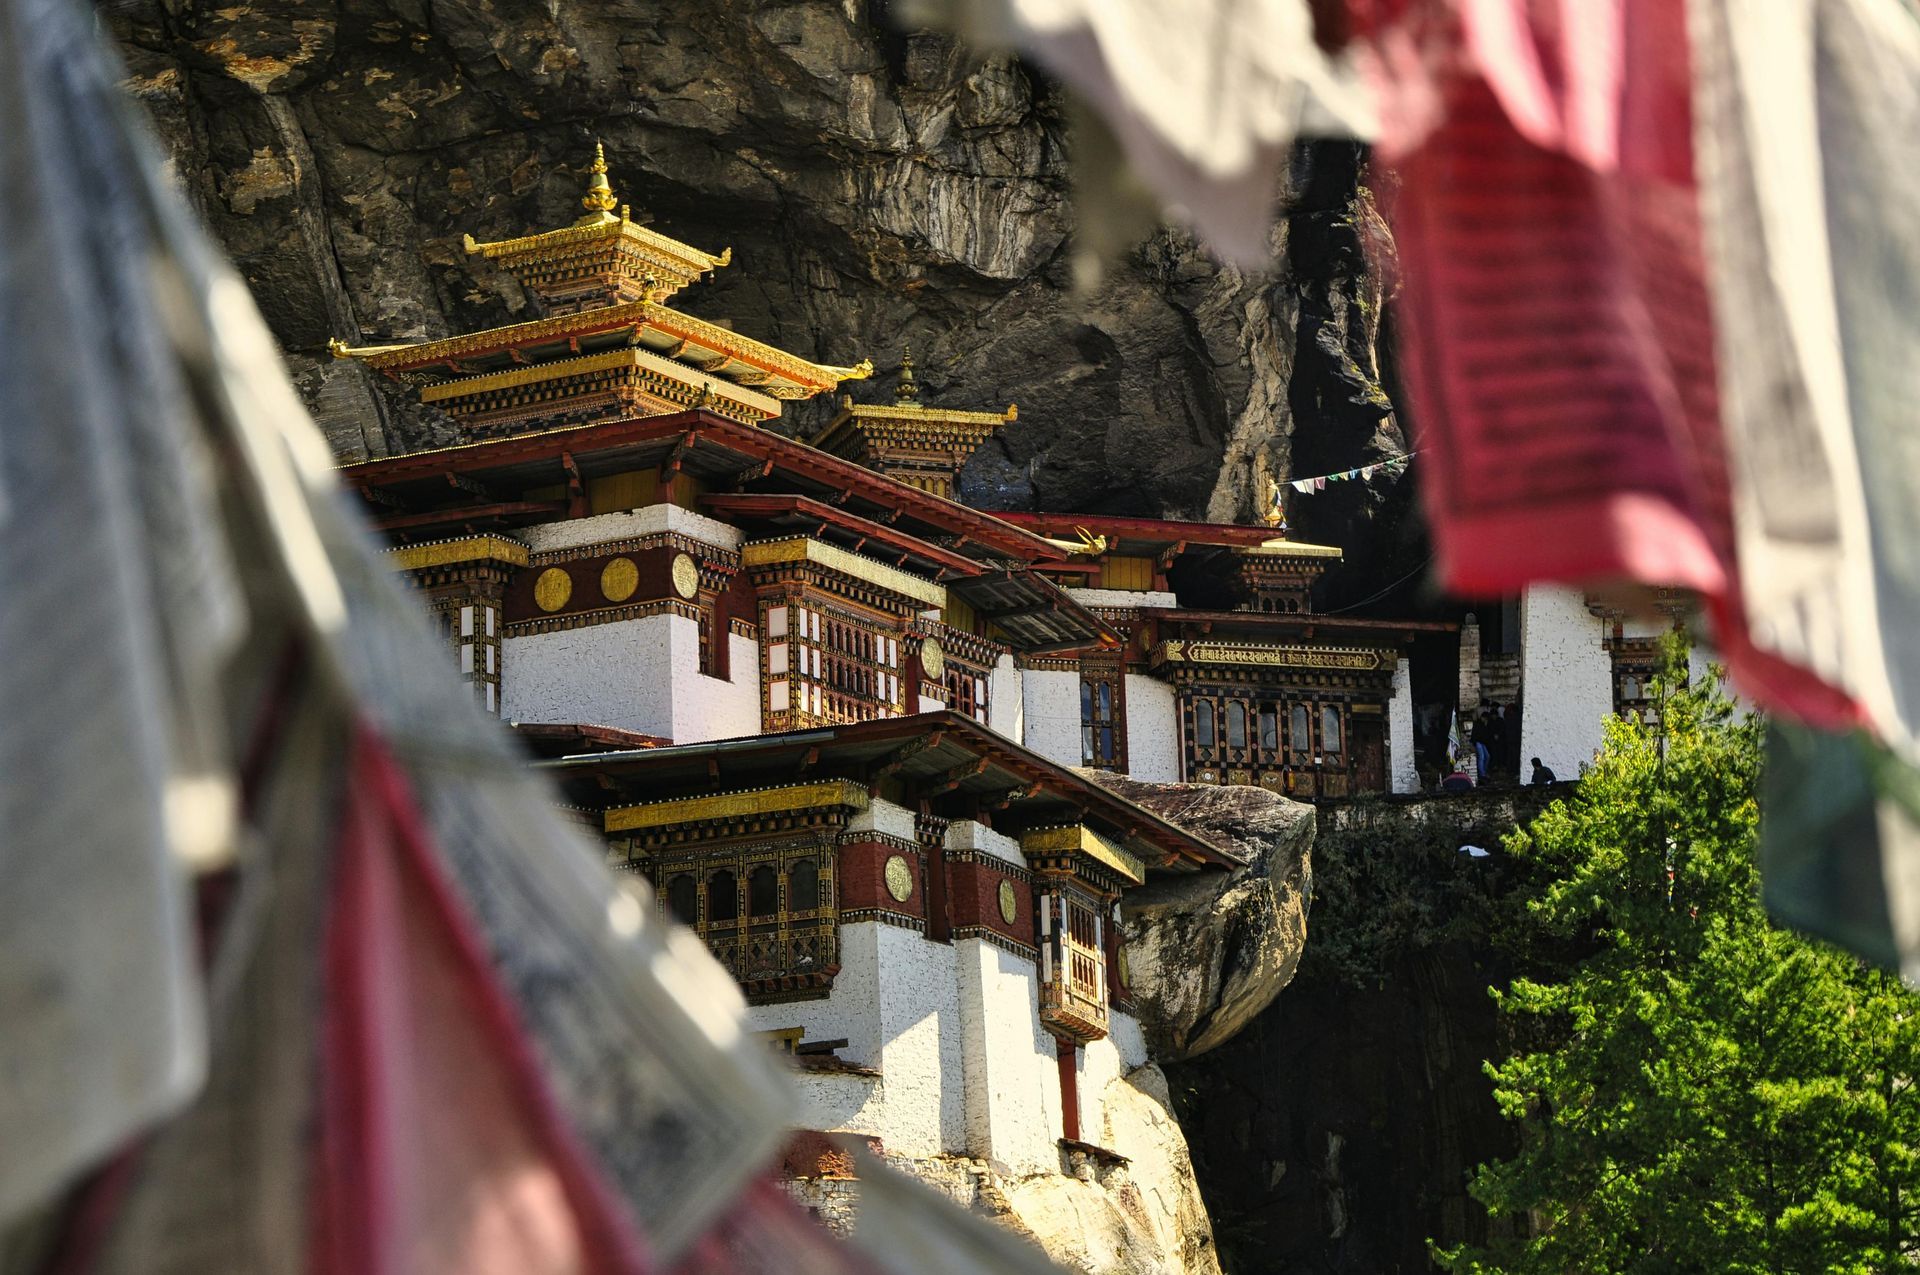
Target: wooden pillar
<point>1069,1089</point>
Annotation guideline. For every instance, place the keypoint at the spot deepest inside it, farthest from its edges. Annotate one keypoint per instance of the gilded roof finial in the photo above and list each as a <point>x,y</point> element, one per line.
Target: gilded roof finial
<point>906,391</point>
<point>598,201</point>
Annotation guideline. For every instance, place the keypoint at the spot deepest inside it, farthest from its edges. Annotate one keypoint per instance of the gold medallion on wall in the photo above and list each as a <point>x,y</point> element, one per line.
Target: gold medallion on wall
<point>618,580</point>
<point>552,589</point>
<point>1009,903</point>
<point>686,576</point>
<point>933,660</point>
<point>899,878</point>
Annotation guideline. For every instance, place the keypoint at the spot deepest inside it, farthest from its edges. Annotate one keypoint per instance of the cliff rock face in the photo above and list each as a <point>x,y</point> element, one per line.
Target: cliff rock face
<point>1337,1131</point>
<point>878,188</point>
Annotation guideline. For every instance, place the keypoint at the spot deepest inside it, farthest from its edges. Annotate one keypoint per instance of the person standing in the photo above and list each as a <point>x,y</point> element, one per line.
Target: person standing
<point>1497,743</point>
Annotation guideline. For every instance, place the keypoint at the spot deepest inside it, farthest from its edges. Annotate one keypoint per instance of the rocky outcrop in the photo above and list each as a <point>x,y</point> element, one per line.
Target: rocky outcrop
<point>1144,1217</point>
<point>878,188</point>
<point>1206,953</point>
<point>1105,1217</point>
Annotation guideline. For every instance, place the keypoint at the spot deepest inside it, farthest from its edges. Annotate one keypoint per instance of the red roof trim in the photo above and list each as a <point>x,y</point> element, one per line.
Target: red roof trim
<point>1300,620</point>
<point>986,529</point>
<point>748,504</point>
<point>1165,530</point>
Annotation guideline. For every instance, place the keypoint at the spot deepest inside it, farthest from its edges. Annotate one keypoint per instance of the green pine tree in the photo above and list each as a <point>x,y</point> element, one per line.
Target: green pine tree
<point>1696,1090</point>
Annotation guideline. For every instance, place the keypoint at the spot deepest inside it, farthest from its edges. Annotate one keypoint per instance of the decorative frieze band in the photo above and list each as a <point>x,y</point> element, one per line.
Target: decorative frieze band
<point>885,916</point>
<point>606,615</point>
<point>1025,950</point>
<point>993,861</point>
<point>639,544</point>
<point>1354,659</point>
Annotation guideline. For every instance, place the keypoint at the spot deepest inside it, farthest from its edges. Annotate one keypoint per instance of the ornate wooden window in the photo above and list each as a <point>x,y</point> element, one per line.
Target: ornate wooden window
<point>1206,737</point>
<point>823,665</point>
<point>967,691</point>
<point>767,910</point>
<point>1332,737</point>
<point>1103,723</point>
<point>1073,964</point>
<point>1254,735</point>
<point>1634,663</point>
<point>471,626</point>
<point>683,898</point>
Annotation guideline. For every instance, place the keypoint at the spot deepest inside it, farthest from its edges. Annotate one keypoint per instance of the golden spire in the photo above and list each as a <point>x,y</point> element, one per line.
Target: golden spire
<point>598,201</point>
<point>906,391</point>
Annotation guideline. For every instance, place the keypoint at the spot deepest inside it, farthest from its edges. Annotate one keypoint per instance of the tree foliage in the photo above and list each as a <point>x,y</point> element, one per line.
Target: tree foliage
<point>1700,1091</point>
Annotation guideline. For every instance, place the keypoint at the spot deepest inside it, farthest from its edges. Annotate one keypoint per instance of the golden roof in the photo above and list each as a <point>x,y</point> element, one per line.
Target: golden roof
<point>1280,547</point>
<point>904,415</point>
<point>602,282</point>
<point>702,346</point>
<point>598,244</point>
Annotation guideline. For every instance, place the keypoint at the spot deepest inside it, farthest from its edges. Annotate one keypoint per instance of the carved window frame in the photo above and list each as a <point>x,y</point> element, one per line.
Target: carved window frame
<point>1103,715</point>
<point>760,951</point>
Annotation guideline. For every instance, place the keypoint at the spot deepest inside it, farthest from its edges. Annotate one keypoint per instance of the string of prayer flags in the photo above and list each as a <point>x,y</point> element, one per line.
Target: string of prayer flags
<point>1319,482</point>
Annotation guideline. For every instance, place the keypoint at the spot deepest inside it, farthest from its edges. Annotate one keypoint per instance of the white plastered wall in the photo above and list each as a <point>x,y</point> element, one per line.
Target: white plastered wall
<point>1122,598</point>
<point>606,674</point>
<point>1566,679</point>
<point>954,1030</point>
<point>965,834</point>
<point>639,675</point>
<point>896,1002</point>
<point>1052,701</point>
<point>883,817</point>
<point>1006,705</point>
<point>1403,775</point>
<point>1101,1063</point>
<point>1011,1079</point>
<point>712,707</point>
<point>1153,730</point>
<point>650,520</point>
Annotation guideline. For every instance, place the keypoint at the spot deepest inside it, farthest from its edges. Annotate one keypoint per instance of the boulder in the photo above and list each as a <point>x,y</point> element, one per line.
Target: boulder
<point>1208,951</point>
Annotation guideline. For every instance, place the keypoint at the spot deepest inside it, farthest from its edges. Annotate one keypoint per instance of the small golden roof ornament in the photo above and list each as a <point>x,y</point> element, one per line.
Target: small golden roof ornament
<point>1274,514</point>
<point>906,391</point>
<point>598,201</point>
<point>1088,544</point>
